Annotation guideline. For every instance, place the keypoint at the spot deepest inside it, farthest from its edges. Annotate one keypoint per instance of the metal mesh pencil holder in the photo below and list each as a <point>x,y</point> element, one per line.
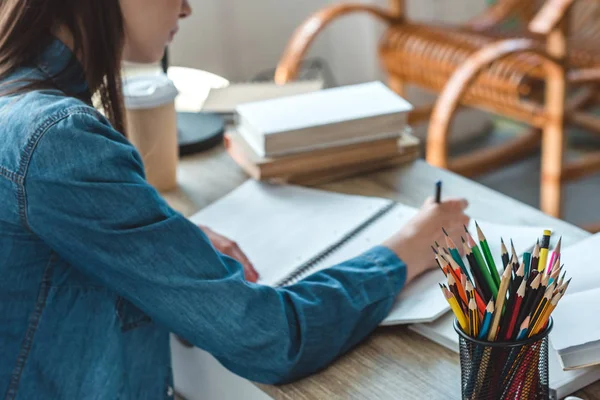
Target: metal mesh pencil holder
<point>504,370</point>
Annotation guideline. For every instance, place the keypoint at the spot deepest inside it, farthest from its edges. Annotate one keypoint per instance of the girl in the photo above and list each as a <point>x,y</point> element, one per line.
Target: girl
<point>97,269</point>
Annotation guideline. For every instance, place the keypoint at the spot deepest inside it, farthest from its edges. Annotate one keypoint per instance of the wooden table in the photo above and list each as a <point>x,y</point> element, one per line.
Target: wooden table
<point>393,363</point>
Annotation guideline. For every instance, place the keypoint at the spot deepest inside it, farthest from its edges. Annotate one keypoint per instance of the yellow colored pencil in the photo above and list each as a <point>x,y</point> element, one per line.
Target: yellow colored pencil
<point>460,316</point>
<point>500,302</point>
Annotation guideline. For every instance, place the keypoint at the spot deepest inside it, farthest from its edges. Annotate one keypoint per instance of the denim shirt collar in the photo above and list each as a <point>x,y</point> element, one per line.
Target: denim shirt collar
<point>61,66</point>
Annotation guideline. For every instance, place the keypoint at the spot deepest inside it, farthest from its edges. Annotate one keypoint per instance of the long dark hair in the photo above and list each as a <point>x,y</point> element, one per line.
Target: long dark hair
<point>27,26</point>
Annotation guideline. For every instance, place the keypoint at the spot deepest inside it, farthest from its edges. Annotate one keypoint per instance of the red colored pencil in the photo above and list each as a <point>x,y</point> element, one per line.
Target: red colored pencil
<point>515,311</point>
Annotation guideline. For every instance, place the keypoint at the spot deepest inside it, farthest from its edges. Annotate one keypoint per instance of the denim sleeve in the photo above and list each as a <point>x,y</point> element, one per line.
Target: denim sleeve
<point>87,198</point>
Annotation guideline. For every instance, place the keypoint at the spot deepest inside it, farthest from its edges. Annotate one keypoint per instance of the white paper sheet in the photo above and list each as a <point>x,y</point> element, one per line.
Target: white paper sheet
<point>282,227</point>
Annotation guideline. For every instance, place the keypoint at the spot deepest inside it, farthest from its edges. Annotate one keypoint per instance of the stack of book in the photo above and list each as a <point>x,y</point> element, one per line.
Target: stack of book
<point>322,136</point>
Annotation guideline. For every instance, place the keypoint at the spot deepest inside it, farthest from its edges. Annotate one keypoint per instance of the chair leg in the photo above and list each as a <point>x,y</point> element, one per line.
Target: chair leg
<point>552,158</point>
<point>553,144</point>
<point>397,85</point>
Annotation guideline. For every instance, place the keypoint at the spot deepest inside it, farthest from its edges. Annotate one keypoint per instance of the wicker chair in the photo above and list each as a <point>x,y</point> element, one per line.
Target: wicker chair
<point>519,60</point>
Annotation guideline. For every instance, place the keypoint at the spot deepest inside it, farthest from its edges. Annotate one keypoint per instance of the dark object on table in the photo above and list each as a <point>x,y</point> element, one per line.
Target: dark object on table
<point>199,132</point>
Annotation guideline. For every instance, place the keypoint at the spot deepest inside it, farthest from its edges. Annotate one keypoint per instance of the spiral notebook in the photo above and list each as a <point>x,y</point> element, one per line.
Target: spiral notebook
<point>290,232</point>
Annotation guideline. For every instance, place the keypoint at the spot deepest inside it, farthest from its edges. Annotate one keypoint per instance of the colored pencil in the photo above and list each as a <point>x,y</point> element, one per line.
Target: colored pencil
<point>541,310</point>
<point>564,286</point>
<point>487,319</point>
<point>454,252</point>
<point>560,281</point>
<point>535,258</point>
<point>544,250</point>
<point>530,296</point>
<point>523,329</point>
<point>514,313</point>
<point>478,279</point>
<point>474,313</point>
<point>487,253</point>
<point>504,253</point>
<point>555,255</point>
<point>499,304</point>
<point>512,297</point>
<point>515,257</point>
<point>458,291</point>
<point>481,264</point>
<point>555,272</point>
<point>544,319</point>
<point>527,262</point>
<point>460,316</point>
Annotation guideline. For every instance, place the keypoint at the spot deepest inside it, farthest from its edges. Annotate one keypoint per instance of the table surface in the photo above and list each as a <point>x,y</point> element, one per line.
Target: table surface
<point>393,363</point>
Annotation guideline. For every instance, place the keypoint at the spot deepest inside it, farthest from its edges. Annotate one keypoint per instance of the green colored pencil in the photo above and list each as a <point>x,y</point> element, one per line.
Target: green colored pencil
<point>485,272</point>
<point>488,255</point>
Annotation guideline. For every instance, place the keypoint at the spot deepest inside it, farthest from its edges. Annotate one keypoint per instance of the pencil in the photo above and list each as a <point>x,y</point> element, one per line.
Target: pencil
<point>478,279</point>
<point>555,255</point>
<point>475,317</point>
<point>529,299</point>
<point>480,262</point>
<point>527,262</point>
<point>470,290</point>
<point>561,280</point>
<point>438,192</point>
<point>544,319</point>
<point>499,304</point>
<point>515,257</point>
<point>512,297</point>
<point>452,267</point>
<point>487,253</point>
<point>555,272</point>
<point>541,310</point>
<point>457,290</point>
<point>515,311</point>
<point>523,329</point>
<point>454,252</point>
<point>487,319</point>
<point>535,258</point>
<point>455,308</point>
<point>504,252</point>
<point>544,250</point>
<point>564,286</point>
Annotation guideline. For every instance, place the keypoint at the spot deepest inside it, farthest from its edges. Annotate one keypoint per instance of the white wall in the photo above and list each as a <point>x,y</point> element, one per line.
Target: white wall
<point>238,38</point>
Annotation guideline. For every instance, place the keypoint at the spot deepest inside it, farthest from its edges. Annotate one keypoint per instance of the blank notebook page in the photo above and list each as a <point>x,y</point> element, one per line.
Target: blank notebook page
<point>281,228</point>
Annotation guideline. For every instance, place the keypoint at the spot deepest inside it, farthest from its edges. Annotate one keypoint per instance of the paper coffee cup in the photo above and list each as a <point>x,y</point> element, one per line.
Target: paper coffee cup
<point>152,127</point>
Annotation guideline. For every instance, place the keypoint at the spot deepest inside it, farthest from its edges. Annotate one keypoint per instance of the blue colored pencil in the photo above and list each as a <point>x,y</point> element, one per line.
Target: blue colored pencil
<point>523,329</point>
<point>487,320</point>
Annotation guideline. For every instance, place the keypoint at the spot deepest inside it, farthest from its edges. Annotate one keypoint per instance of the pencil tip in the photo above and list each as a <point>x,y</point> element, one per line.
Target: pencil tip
<point>463,239</point>
<point>501,240</point>
<point>466,230</point>
<point>434,250</point>
<point>436,244</point>
<point>444,230</point>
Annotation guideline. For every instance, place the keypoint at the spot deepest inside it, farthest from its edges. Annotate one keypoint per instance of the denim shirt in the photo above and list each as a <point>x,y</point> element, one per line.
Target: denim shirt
<point>97,269</point>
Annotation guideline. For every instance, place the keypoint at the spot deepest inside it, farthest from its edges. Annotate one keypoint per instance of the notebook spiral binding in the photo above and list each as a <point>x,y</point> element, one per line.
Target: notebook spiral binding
<point>303,269</point>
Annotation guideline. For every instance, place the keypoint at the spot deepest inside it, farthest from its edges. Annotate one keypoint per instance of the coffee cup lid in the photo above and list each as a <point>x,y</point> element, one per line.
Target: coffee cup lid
<point>143,92</point>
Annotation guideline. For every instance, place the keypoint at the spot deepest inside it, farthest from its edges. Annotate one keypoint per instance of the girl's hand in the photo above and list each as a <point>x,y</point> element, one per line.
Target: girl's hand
<point>413,243</point>
<point>231,249</point>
